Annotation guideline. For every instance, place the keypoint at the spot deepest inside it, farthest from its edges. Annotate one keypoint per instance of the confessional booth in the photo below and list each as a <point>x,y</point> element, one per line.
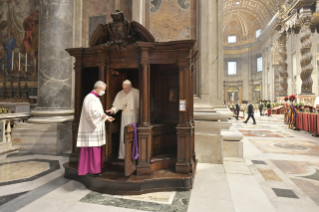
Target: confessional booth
<point>163,74</point>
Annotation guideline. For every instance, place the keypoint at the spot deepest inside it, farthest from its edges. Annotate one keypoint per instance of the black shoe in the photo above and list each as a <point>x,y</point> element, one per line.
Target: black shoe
<point>245,122</point>
<point>95,175</point>
<point>254,123</point>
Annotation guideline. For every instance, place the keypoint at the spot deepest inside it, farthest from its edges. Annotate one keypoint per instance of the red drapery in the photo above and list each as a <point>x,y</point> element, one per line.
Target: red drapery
<point>308,122</point>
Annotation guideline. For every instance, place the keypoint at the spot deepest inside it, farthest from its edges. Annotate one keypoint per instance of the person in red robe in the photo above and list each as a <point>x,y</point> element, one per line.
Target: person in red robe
<point>91,134</point>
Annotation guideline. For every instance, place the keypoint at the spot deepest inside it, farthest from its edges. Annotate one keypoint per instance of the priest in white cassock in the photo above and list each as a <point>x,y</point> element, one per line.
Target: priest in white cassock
<point>128,101</point>
<point>91,134</point>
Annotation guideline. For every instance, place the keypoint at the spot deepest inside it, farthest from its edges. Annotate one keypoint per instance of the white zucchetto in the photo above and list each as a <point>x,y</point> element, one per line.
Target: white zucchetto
<point>127,82</point>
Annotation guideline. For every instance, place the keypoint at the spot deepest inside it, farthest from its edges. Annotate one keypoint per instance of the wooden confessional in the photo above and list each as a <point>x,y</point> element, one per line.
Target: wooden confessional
<point>163,73</point>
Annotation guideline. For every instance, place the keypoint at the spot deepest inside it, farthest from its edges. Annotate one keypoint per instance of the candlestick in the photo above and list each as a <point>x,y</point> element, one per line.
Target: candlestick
<point>26,62</point>
<point>19,61</point>
<point>12,59</point>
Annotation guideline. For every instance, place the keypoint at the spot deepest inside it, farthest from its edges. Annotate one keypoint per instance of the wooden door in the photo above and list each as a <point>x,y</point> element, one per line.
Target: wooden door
<point>129,163</point>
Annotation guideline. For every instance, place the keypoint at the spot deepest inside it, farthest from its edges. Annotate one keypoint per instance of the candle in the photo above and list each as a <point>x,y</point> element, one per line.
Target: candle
<point>12,59</point>
<point>19,61</point>
<point>26,62</point>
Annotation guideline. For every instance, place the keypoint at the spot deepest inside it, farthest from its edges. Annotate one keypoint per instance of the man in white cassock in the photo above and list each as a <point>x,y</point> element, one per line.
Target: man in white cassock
<point>126,100</point>
<point>91,134</point>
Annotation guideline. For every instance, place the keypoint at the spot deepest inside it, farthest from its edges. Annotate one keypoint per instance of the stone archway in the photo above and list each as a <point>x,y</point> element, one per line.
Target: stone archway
<point>256,93</point>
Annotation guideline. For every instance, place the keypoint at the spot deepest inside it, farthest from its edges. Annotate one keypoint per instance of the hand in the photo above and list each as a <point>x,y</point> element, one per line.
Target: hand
<point>109,111</point>
<point>103,116</point>
<point>110,119</point>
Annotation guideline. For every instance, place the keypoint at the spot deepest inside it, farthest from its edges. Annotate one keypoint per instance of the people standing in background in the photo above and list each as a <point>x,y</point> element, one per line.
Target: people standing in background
<point>292,112</point>
<point>261,107</point>
<point>250,113</point>
<point>286,110</point>
<point>268,109</point>
<point>237,109</point>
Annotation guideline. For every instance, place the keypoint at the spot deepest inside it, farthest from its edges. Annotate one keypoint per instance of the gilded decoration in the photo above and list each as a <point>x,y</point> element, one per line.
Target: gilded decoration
<point>19,39</point>
<point>170,19</point>
<point>243,19</point>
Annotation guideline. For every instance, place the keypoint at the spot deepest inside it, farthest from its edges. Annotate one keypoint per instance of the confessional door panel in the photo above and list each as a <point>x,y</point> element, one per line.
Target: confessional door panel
<point>129,162</point>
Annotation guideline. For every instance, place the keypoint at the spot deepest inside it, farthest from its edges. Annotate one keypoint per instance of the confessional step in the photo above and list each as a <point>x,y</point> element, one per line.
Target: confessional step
<point>166,161</point>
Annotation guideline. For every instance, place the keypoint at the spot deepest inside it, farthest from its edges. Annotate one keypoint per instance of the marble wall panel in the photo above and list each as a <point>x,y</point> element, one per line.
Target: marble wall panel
<point>91,9</point>
<point>94,22</point>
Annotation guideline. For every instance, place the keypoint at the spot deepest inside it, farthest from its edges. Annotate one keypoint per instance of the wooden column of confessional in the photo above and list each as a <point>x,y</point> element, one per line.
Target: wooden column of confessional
<point>185,128</point>
<point>144,129</point>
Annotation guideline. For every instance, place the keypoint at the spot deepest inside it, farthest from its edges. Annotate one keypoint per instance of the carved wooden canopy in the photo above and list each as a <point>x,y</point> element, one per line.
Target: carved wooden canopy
<point>120,32</point>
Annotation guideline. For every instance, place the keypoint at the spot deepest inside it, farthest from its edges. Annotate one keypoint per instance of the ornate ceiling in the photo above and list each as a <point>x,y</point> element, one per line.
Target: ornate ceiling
<point>243,17</point>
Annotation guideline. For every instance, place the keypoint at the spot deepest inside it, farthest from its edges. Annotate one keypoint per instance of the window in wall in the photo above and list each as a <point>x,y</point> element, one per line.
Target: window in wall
<point>232,68</point>
<point>259,64</point>
<point>258,32</point>
<point>232,39</point>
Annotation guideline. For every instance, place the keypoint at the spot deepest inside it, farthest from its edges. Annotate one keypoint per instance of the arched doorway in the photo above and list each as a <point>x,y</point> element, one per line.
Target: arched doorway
<point>232,94</point>
<point>256,93</point>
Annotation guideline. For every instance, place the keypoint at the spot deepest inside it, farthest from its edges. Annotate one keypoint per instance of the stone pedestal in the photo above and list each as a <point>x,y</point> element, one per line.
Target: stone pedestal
<point>49,138</point>
<point>55,99</point>
<point>210,115</point>
<point>232,145</point>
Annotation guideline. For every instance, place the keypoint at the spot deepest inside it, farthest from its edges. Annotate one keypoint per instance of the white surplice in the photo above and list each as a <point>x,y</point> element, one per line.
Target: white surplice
<point>129,104</point>
<point>92,127</point>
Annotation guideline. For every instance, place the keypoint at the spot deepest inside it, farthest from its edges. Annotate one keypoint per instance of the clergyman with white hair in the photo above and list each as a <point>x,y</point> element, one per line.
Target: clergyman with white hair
<point>126,100</point>
<point>91,135</point>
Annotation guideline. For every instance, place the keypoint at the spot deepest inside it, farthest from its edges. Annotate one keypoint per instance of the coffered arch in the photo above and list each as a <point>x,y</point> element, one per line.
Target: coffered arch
<point>243,17</point>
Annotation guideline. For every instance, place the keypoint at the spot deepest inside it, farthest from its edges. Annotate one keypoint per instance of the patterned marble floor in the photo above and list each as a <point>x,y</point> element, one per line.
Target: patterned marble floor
<point>279,172</point>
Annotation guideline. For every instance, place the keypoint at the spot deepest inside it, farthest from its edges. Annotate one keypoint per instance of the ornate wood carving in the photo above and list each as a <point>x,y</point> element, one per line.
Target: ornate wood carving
<point>306,58</point>
<point>120,33</point>
<point>282,40</point>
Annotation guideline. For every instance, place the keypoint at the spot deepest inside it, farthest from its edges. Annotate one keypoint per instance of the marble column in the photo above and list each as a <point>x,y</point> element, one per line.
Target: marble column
<point>55,64</point>
<point>282,40</point>
<point>52,118</point>
<point>306,55</point>
<point>210,65</point>
<point>210,114</point>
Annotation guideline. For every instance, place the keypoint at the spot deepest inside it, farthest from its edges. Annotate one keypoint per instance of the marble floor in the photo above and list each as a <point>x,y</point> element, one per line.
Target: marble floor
<point>279,172</point>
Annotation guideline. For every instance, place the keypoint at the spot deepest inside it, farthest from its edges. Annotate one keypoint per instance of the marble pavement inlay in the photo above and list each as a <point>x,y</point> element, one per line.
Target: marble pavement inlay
<point>259,162</point>
<point>304,174</point>
<point>8,198</point>
<point>22,171</point>
<point>160,201</point>
<point>285,193</point>
<point>287,146</point>
<point>260,133</point>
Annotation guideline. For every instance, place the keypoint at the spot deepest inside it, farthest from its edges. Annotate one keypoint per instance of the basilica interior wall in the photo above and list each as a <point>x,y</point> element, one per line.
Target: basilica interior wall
<point>166,20</point>
<point>247,79</point>
<point>267,46</point>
